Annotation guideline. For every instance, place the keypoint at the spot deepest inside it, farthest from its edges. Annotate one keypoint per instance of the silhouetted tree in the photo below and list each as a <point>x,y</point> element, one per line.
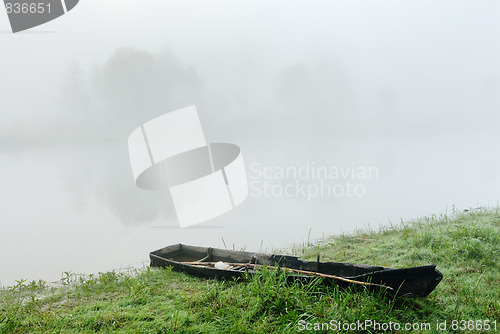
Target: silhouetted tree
<point>134,86</point>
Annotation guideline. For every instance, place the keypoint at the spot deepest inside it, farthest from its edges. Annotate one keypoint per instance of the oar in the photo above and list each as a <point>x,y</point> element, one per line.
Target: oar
<point>312,273</point>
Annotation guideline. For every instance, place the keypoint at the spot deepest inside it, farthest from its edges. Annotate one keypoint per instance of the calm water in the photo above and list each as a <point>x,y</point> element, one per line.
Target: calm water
<point>75,208</point>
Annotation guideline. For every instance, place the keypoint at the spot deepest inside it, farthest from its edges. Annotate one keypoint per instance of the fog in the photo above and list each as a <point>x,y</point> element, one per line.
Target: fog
<point>411,88</point>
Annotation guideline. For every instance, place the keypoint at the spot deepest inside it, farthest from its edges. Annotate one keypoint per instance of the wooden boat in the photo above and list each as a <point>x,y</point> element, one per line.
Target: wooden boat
<point>228,264</point>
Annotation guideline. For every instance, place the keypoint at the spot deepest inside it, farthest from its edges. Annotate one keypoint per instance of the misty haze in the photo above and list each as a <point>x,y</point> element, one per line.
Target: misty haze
<point>409,89</point>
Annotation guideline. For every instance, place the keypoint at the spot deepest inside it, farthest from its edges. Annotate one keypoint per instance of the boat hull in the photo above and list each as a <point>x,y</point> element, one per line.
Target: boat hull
<point>413,282</point>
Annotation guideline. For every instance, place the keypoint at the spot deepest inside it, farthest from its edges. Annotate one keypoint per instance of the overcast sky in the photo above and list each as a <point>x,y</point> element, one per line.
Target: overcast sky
<point>428,62</point>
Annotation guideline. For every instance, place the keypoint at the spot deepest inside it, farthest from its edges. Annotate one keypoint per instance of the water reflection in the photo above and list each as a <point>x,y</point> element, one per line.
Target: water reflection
<point>69,209</point>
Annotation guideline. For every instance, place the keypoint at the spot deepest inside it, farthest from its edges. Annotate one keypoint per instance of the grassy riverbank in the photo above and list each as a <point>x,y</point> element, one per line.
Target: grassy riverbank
<point>466,249</point>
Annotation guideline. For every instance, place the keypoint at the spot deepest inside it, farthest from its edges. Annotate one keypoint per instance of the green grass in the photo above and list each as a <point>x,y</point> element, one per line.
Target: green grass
<point>466,249</point>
